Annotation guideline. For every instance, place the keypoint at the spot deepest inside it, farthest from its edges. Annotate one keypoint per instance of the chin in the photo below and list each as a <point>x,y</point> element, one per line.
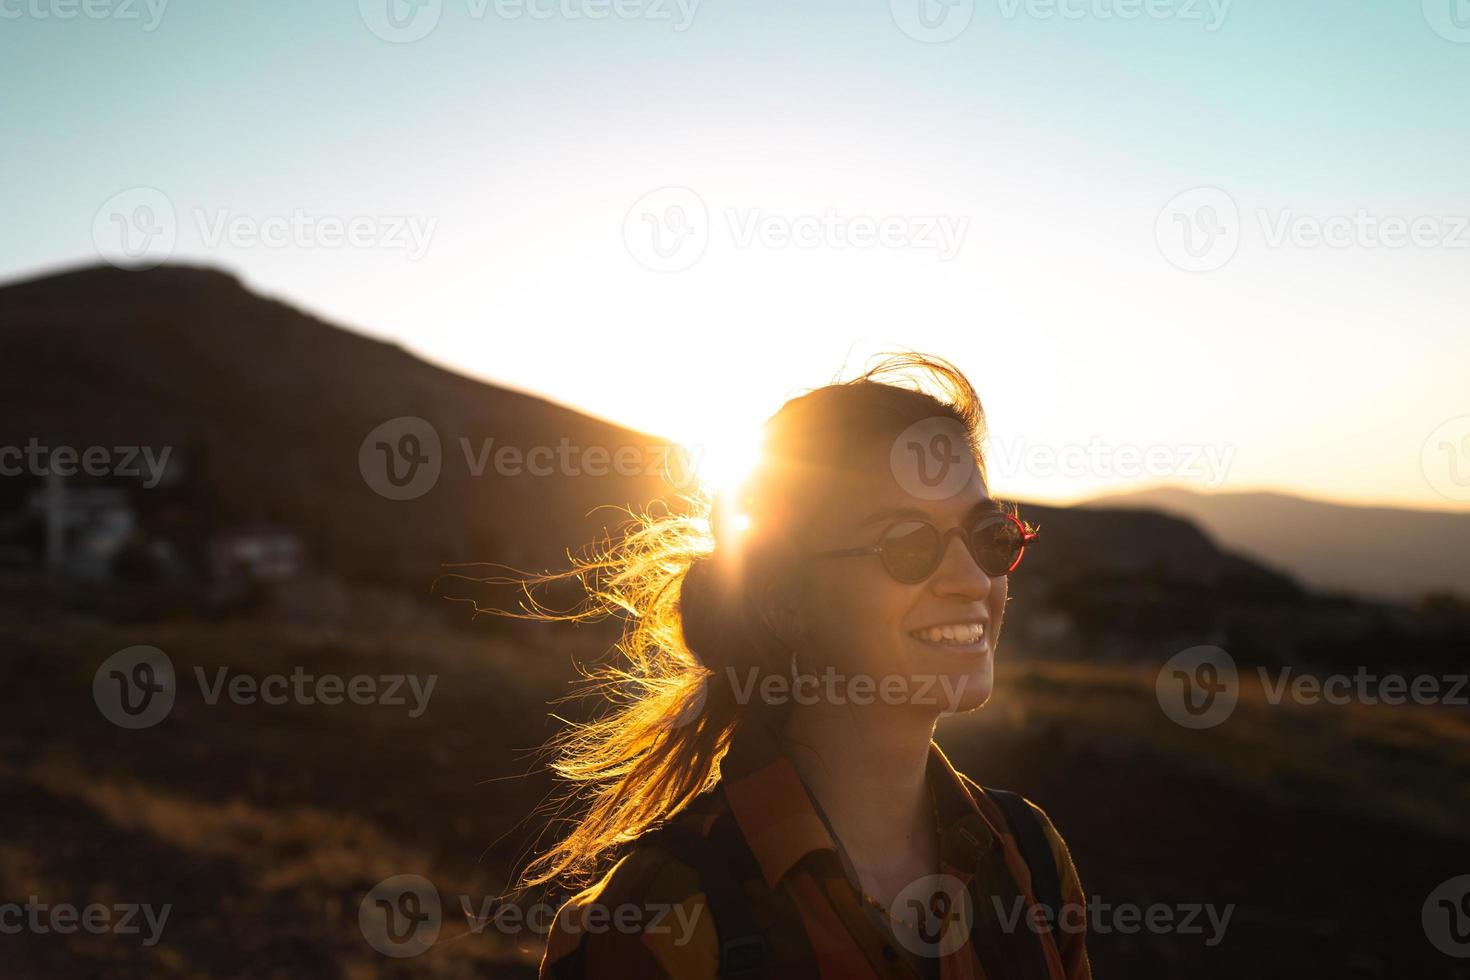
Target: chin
<point>955,685</point>
<point>972,689</point>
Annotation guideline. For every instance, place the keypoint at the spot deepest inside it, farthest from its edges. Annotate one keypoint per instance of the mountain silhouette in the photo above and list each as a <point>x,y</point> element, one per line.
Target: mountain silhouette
<point>268,408</point>
<point>1380,552</point>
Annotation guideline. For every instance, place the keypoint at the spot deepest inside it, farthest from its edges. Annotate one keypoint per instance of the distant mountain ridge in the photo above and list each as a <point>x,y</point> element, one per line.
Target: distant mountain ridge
<point>271,406</point>
<point>1380,552</point>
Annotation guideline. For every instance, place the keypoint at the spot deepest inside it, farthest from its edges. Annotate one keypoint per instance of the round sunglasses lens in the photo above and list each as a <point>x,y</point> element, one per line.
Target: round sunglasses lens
<point>996,544</point>
<point>910,551</point>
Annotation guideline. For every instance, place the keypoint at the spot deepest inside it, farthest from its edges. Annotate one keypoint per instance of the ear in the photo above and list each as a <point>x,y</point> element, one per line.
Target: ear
<point>776,604</point>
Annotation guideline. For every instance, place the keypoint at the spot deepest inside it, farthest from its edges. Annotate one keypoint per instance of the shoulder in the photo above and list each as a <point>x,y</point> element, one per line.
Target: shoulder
<point>645,918</point>
<point>1072,937</point>
<point>986,798</point>
<point>1061,854</point>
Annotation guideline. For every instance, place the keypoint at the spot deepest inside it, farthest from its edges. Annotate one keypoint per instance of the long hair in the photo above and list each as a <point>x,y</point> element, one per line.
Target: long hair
<point>682,581</point>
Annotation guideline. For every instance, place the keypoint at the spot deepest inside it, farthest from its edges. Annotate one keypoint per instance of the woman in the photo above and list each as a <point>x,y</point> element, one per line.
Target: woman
<point>766,776</point>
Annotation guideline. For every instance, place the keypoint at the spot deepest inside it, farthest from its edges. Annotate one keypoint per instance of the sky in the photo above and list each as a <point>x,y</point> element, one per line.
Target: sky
<point>1210,243</point>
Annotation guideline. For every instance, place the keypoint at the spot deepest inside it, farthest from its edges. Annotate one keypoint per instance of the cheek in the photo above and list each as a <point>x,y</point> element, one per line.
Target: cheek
<point>853,618</point>
<point>996,602</point>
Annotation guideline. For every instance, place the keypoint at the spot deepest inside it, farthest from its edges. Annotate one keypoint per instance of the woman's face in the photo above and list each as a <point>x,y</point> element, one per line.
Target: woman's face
<point>859,621</point>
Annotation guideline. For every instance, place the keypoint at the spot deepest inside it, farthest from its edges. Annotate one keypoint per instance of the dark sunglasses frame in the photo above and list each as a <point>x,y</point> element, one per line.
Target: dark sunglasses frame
<point>965,534</point>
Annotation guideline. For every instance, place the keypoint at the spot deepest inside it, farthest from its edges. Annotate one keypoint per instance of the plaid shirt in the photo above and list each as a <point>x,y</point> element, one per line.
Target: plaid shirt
<point>778,846</point>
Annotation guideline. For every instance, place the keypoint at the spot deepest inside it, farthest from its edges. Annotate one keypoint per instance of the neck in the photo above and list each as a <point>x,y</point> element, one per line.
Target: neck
<point>867,770</point>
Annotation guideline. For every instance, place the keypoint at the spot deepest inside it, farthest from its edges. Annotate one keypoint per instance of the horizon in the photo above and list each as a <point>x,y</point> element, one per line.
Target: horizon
<point>1083,499</point>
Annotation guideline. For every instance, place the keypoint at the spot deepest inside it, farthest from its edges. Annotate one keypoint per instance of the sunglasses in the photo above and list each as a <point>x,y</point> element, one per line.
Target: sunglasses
<point>912,550</point>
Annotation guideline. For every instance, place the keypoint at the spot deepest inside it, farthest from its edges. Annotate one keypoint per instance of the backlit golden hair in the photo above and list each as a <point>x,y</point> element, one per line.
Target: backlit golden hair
<point>680,580</point>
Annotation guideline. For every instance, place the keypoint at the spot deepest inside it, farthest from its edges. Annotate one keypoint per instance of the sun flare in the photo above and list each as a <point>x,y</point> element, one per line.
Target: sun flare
<point>723,460</point>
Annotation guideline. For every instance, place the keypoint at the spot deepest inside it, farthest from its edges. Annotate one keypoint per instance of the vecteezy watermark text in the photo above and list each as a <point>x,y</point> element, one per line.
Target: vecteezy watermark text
<point>1210,13</point>
<point>830,686</point>
<point>136,688</point>
<point>150,12</point>
<point>941,233</point>
<point>669,230</point>
<point>36,916</point>
<point>407,233</point>
<point>1200,687</point>
<point>937,21</point>
<point>139,227</point>
<point>141,462</point>
<point>403,458</point>
<point>931,459</point>
<point>309,689</point>
<point>653,918</point>
<point>406,21</point>
<point>402,916</point>
<point>1101,918</point>
<point>1209,464</point>
<point>1202,229</point>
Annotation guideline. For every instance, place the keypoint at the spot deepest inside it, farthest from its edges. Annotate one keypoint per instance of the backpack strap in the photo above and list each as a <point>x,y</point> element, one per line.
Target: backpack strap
<point>1031,838</point>
<point>742,941</point>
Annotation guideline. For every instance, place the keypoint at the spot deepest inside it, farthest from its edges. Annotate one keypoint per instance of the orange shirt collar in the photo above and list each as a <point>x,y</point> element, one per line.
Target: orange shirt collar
<point>780,822</point>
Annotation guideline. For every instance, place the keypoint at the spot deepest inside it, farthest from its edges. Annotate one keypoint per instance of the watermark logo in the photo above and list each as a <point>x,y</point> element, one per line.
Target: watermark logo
<point>1207,464</point>
<point>401,915</point>
<point>145,464</point>
<point>406,21</point>
<point>1210,13</point>
<point>1364,687</point>
<point>667,230</point>
<point>831,229</point>
<point>932,21</point>
<point>1104,918</point>
<point>1362,229</point>
<point>122,919</point>
<point>401,459</point>
<point>828,686</point>
<point>934,915</point>
<point>392,690</point>
<point>931,459</point>
<point>1445,459</point>
<point>835,688</point>
<point>135,687</point>
<point>410,234</point>
<point>1199,230</point>
<point>401,21</point>
<point>139,228</point>
<point>149,12</point>
<point>1198,688</point>
<point>136,228</point>
<point>1450,19</point>
<point>1446,917</point>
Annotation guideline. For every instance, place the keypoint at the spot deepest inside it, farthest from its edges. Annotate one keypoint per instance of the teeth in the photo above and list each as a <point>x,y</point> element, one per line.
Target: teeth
<point>957,634</point>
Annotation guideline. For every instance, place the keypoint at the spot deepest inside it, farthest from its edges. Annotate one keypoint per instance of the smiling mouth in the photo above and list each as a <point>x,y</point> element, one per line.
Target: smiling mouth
<point>951,634</point>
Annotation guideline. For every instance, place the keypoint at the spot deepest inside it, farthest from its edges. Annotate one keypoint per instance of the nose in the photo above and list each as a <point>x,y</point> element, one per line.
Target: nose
<point>958,575</point>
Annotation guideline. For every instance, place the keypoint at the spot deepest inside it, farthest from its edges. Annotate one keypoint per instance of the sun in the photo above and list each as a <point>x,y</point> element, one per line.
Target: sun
<point>723,459</point>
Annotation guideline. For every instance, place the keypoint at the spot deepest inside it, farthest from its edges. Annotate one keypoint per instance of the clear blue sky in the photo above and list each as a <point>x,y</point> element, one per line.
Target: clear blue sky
<point>1054,137</point>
